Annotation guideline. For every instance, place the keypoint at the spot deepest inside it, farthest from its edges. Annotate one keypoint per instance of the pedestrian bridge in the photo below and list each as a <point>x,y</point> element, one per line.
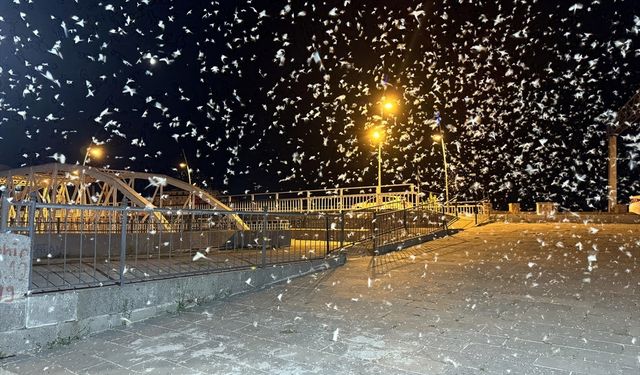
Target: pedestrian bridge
<point>66,184</point>
<point>390,197</point>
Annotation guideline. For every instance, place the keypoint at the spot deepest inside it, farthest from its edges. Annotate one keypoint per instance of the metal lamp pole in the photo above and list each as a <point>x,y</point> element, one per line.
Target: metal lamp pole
<point>379,188</point>
<point>379,137</point>
<point>188,168</point>
<point>97,153</point>
<point>440,137</point>
<point>446,175</point>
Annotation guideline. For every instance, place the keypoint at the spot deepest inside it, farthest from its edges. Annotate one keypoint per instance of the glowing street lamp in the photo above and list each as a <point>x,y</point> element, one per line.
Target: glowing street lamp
<point>96,152</point>
<point>440,138</point>
<point>93,151</point>
<point>186,166</point>
<point>387,105</point>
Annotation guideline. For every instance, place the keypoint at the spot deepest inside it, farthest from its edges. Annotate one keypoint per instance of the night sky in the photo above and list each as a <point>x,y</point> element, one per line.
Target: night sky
<point>273,95</point>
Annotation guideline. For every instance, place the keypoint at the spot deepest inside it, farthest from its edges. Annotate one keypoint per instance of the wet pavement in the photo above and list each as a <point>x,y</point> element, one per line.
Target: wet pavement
<point>497,299</point>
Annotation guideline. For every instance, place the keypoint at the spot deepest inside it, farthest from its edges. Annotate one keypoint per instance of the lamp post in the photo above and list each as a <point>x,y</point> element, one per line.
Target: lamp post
<point>185,165</point>
<point>377,136</point>
<point>96,152</point>
<point>440,138</point>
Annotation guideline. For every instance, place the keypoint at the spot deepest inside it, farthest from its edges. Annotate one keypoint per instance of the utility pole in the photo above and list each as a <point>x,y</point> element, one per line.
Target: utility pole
<point>628,114</point>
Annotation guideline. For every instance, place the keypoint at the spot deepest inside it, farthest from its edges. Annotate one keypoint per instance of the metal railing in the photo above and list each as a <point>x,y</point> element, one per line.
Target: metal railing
<point>480,211</point>
<point>393,229</point>
<point>117,245</point>
<point>323,200</point>
<point>393,197</point>
<point>80,246</point>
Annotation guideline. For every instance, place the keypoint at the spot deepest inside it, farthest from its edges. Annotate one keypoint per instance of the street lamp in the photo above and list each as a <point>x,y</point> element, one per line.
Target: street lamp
<point>387,105</point>
<point>186,166</point>
<point>377,136</point>
<point>440,138</point>
<point>94,151</point>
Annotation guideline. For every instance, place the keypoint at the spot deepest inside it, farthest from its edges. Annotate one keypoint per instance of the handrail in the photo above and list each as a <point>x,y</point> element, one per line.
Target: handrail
<point>336,190</point>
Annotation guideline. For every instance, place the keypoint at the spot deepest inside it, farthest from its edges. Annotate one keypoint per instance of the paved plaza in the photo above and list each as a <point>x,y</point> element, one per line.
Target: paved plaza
<point>497,299</point>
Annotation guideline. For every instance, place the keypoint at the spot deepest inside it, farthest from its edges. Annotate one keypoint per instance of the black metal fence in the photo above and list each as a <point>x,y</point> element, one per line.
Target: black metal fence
<point>393,229</point>
<point>79,246</point>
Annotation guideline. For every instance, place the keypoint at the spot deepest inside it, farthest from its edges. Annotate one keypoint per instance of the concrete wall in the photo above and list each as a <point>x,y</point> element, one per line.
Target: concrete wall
<point>33,322</point>
<point>575,217</point>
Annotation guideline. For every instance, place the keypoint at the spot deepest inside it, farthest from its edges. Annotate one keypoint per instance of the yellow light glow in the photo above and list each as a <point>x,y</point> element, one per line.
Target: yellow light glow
<point>96,152</point>
<point>388,104</point>
<point>183,165</point>
<point>437,137</point>
<point>377,135</point>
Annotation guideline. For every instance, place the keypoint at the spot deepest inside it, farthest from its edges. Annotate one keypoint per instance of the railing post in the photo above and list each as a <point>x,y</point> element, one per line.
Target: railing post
<point>5,212</point>
<point>326,222</point>
<point>32,233</point>
<point>475,211</point>
<point>373,232</point>
<point>264,238</point>
<point>342,229</point>
<point>123,239</point>
<point>404,214</point>
<point>444,219</point>
<point>412,194</point>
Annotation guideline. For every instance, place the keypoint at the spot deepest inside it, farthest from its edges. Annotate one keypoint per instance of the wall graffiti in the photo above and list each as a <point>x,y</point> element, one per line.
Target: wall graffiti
<point>14,267</point>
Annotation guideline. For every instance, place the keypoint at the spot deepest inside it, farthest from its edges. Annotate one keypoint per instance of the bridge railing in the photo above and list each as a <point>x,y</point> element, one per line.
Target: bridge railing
<point>326,200</point>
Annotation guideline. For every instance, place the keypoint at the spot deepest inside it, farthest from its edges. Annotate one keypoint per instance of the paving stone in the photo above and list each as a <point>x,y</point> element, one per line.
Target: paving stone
<point>564,363</point>
<point>106,368</point>
<point>163,367</point>
<point>36,366</point>
<point>121,355</point>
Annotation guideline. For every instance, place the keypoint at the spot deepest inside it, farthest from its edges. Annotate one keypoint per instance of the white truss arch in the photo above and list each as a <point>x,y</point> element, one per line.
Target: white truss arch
<point>75,184</point>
